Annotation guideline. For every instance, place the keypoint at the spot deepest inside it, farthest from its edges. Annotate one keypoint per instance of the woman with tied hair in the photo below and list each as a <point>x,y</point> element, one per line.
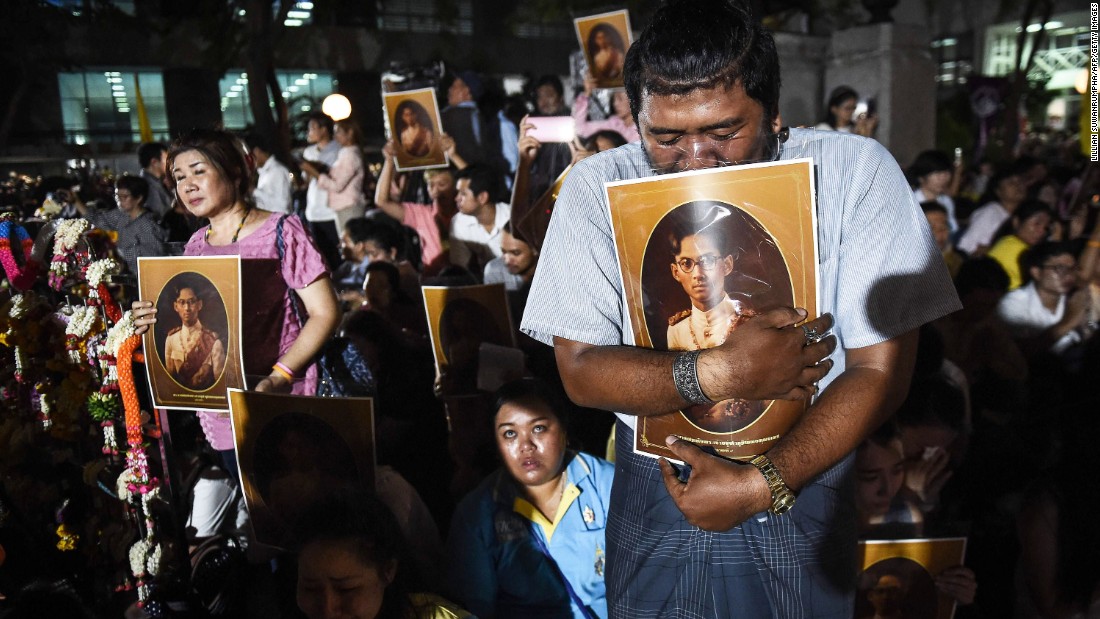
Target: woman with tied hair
<point>529,541</point>
<point>840,114</point>
<point>344,180</point>
<point>210,176</point>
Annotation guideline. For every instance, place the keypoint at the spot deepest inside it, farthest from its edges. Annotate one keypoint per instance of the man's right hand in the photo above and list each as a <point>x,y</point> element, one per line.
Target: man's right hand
<point>768,358</point>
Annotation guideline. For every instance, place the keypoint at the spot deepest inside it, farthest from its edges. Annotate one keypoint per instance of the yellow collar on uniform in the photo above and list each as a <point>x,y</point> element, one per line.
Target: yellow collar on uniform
<point>527,510</point>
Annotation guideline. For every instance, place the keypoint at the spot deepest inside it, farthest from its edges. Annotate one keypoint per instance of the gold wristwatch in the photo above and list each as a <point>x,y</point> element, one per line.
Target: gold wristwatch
<point>782,497</point>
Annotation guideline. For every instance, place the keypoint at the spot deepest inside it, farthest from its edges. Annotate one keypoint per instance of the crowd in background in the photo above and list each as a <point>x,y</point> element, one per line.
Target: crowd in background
<point>992,442</point>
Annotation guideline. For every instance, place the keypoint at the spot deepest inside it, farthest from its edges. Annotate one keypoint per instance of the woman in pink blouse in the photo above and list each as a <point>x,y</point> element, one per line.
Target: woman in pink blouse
<point>210,176</point>
<point>344,180</point>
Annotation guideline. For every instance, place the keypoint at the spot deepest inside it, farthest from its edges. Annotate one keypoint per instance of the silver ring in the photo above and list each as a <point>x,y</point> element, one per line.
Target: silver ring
<point>811,334</point>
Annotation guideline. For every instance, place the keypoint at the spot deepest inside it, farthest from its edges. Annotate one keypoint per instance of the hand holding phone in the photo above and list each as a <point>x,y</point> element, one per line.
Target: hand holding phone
<point>552,128</point>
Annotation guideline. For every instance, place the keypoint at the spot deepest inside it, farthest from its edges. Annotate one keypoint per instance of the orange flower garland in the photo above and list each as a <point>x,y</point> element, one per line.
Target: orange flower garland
<point>130,404</point>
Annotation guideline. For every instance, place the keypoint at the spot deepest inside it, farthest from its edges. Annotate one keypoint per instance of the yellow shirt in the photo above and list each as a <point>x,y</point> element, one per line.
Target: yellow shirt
<point>1006,252</point>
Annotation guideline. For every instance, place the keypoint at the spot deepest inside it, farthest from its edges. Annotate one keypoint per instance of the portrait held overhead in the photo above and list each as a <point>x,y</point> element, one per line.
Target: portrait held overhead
<point>684,309</point>
<point>605,39</point>
<point>414,122</point>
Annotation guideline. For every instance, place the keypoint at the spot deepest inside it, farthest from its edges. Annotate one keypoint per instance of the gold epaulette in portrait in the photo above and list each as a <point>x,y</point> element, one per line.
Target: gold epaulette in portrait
<point>677,317</point>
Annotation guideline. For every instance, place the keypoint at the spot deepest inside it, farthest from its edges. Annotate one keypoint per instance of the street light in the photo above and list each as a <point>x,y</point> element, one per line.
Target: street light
<point>336,106</point>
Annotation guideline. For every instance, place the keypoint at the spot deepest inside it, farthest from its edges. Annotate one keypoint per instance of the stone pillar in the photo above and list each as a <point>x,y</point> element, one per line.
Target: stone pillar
<point>802,64</point>
<point>892,63</point>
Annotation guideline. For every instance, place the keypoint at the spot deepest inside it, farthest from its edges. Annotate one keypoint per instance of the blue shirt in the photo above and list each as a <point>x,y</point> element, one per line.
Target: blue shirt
<point>496,568</point>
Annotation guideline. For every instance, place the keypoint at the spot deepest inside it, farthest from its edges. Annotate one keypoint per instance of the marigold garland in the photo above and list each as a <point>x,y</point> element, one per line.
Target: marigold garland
<point>67,540</point>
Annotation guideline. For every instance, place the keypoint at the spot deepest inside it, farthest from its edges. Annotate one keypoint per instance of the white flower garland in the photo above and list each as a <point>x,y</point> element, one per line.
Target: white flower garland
<point>122,486</point>
<point>145,558</point>
<point>68,235</point>
<point>119,333</point>
<point>18,306</point>
<point>82,321</point>
<point>98,271</point>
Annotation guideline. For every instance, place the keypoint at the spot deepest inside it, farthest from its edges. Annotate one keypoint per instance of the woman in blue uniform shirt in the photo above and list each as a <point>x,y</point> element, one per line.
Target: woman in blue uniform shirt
<point>529,540</point>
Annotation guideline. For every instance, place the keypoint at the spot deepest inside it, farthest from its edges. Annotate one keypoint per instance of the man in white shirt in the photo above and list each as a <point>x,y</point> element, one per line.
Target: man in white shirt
<point>477,228</point>
<point>272,192</point>
<point>322,220</point>
<point>984,222</point>
<point>1043,313</point>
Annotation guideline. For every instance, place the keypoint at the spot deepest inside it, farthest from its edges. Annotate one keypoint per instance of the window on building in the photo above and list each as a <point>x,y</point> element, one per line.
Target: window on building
<point>303,91</point>
<point>103,106</point>
<point>422,16</point>
<point>954,62</point>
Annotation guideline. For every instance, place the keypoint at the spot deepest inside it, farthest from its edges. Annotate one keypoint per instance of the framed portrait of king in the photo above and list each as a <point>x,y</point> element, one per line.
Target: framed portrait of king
<point>193,353</point>
<point>897,577</point>
<point>701,253</point>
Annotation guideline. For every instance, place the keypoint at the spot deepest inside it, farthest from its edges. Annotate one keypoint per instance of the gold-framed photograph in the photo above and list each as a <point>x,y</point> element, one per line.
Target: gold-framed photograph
<point>193,352</point>
<point>293,450</point>
<point>700,254</point>
<point>897,577</point>
<point>604,38</point>
<point>412,117</point>
<point>460,319</point>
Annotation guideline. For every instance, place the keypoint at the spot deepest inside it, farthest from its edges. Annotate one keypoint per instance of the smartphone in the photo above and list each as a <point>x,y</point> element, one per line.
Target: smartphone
<point>861,110</point>
<point>958,155</point>
<point>552,128</point>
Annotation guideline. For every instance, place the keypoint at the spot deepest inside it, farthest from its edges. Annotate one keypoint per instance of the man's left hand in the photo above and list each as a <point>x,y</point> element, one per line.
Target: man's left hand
<point>719,494</point>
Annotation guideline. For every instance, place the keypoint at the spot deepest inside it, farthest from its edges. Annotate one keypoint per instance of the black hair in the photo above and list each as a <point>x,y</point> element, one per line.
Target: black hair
<point>701,218</point>
<point>390,272</point>
<point>222,151</point>
<point>482,179</point>
<point>990,194</point>
<point>149,152</point>
<point>931,206</point>
<point>361,522</point>
<point>532,390</point>
<point>361,230</point>
<point>980,274</point>
<point>1027,209</point>
<point>1037,255</point>
<point>611,135</point>
<point>323,120</point>
<point>839,95</point>
<point>928,162</point>
<point>552,81</point>
<point>700,44</point>
<point>187,281</point>
<point>137,186</point>
<point>885,434</point>
<point>258,140</point>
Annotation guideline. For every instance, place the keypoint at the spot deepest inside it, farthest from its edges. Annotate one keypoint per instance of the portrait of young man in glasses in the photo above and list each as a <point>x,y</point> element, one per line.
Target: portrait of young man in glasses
<point>719,538</point>
<point>701,262</point>
<point>193,354</point>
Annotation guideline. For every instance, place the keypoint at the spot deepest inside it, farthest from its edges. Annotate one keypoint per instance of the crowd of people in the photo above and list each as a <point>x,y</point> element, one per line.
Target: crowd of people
<point>990,439</point>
